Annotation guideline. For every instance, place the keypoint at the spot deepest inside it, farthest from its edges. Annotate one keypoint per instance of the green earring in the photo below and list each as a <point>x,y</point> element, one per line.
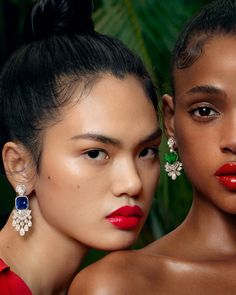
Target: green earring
<point>172,166</point>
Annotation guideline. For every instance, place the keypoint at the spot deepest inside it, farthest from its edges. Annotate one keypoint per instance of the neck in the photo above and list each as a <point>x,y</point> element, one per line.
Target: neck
<point>210,228</point>
<point>44,252</point>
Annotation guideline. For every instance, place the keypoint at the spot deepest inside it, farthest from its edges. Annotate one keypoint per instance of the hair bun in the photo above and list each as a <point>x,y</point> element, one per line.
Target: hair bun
<point>50,17</point>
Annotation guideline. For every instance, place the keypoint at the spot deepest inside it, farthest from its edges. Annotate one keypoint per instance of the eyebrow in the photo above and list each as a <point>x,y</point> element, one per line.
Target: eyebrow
<point>207,89</point>
<point>151,137</point>
<point>109,140</point>
<point>98,137</point>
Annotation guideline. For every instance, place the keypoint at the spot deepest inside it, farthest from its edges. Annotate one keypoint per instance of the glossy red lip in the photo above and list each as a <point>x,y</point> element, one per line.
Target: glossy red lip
<point>227,176</point>
<point>127,217</point>
<point>227,169</point>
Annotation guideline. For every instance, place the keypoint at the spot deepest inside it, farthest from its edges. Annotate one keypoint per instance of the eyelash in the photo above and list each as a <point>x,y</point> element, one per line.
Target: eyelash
<point>210,112</point>
<point>155,152</point>
<point>89,154</point>
<point>95,153</point>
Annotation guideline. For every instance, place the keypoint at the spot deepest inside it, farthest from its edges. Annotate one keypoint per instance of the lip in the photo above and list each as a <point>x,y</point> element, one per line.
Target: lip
<point>226,175</point>
<point>126,217</point>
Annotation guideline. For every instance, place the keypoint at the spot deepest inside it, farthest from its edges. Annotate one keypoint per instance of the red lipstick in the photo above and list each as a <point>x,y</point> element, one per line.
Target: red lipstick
<point>227,176</point>
<point>127,217</point>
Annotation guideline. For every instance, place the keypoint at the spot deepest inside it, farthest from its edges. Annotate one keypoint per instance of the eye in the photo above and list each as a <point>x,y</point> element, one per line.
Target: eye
<point>204,112</point>
<point>149,153</point>
<point>96,154</point>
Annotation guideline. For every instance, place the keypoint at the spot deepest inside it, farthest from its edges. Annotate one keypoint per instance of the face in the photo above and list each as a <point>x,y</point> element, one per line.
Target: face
<point>204,122</point>
<point>100,165</point>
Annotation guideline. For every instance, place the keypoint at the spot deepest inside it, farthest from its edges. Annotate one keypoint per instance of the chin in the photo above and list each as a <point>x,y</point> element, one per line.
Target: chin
<point>122,246</point>
<point>227,204</point>
<point>229,208</point>
<point>115,243</point>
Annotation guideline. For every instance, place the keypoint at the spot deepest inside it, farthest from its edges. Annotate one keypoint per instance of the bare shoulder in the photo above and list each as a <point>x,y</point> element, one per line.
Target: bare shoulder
<point>154,271</point>
<point>121,273</point>
<point>134,272</point>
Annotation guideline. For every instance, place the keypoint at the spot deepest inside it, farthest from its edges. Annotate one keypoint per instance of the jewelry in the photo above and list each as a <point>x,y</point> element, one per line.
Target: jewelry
<point>172,166</point>
<point>22,219</point>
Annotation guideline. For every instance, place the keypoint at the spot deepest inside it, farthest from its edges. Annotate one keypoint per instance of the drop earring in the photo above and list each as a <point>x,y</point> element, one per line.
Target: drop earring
<point>22,219</point>
<point>172,166</point>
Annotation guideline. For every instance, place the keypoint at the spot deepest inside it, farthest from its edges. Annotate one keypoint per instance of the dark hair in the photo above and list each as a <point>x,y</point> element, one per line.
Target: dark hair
<point>62,50</point>
<point>216,18</point>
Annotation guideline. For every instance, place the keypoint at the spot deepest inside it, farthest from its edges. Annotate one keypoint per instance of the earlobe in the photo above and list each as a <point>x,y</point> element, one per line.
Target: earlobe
<point>168,110</point>
<point>18,165</point>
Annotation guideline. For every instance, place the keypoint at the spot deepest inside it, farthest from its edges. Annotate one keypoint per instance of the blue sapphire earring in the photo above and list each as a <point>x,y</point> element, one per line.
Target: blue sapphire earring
<point>22,219</point>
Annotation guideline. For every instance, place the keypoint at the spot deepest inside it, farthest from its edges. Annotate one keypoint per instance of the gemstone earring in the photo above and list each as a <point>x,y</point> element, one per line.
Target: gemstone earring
<point>22,219</point>
<point>172,166</point>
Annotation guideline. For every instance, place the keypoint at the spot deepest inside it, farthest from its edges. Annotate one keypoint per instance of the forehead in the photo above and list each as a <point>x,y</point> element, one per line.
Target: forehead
<point>113,107</point>
<point>115,100</point>
<point>216,66</point>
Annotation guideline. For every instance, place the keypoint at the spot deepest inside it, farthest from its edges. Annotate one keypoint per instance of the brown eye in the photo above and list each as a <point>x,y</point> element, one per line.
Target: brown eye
<point>96,154</point>
<point>204,111</point>
<point>149,152</point>
<point>93,154</point>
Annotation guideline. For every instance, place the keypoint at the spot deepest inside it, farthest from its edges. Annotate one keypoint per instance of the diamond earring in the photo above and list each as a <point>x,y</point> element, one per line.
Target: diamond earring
<point>172,166</point>
<point>22,219</point>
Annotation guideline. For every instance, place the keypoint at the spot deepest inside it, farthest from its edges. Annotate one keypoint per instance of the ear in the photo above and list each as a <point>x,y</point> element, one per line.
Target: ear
<point>19,165</point>
<point>168,109</point>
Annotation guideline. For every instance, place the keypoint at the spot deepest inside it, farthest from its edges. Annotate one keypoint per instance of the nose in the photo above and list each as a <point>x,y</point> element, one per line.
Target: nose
<point>127,181</point>
<point>228,140</point>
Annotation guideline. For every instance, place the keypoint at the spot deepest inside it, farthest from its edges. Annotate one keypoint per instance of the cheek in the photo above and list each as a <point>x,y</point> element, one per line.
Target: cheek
<point>70,182</point>
<point>150,178</point>
<point>66,202</point>
<point>191,149</point>
<point>59,189</point>
<point>189,138</point>
<point>154,178</point>
<point>195,155</point>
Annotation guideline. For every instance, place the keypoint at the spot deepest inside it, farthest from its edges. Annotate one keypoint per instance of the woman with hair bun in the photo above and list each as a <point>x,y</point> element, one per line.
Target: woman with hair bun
<point>79,140</point>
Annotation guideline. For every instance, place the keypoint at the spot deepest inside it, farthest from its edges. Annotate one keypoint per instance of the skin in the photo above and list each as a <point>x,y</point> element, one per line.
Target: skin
<point>95,159</point>
<point>199,257</point>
